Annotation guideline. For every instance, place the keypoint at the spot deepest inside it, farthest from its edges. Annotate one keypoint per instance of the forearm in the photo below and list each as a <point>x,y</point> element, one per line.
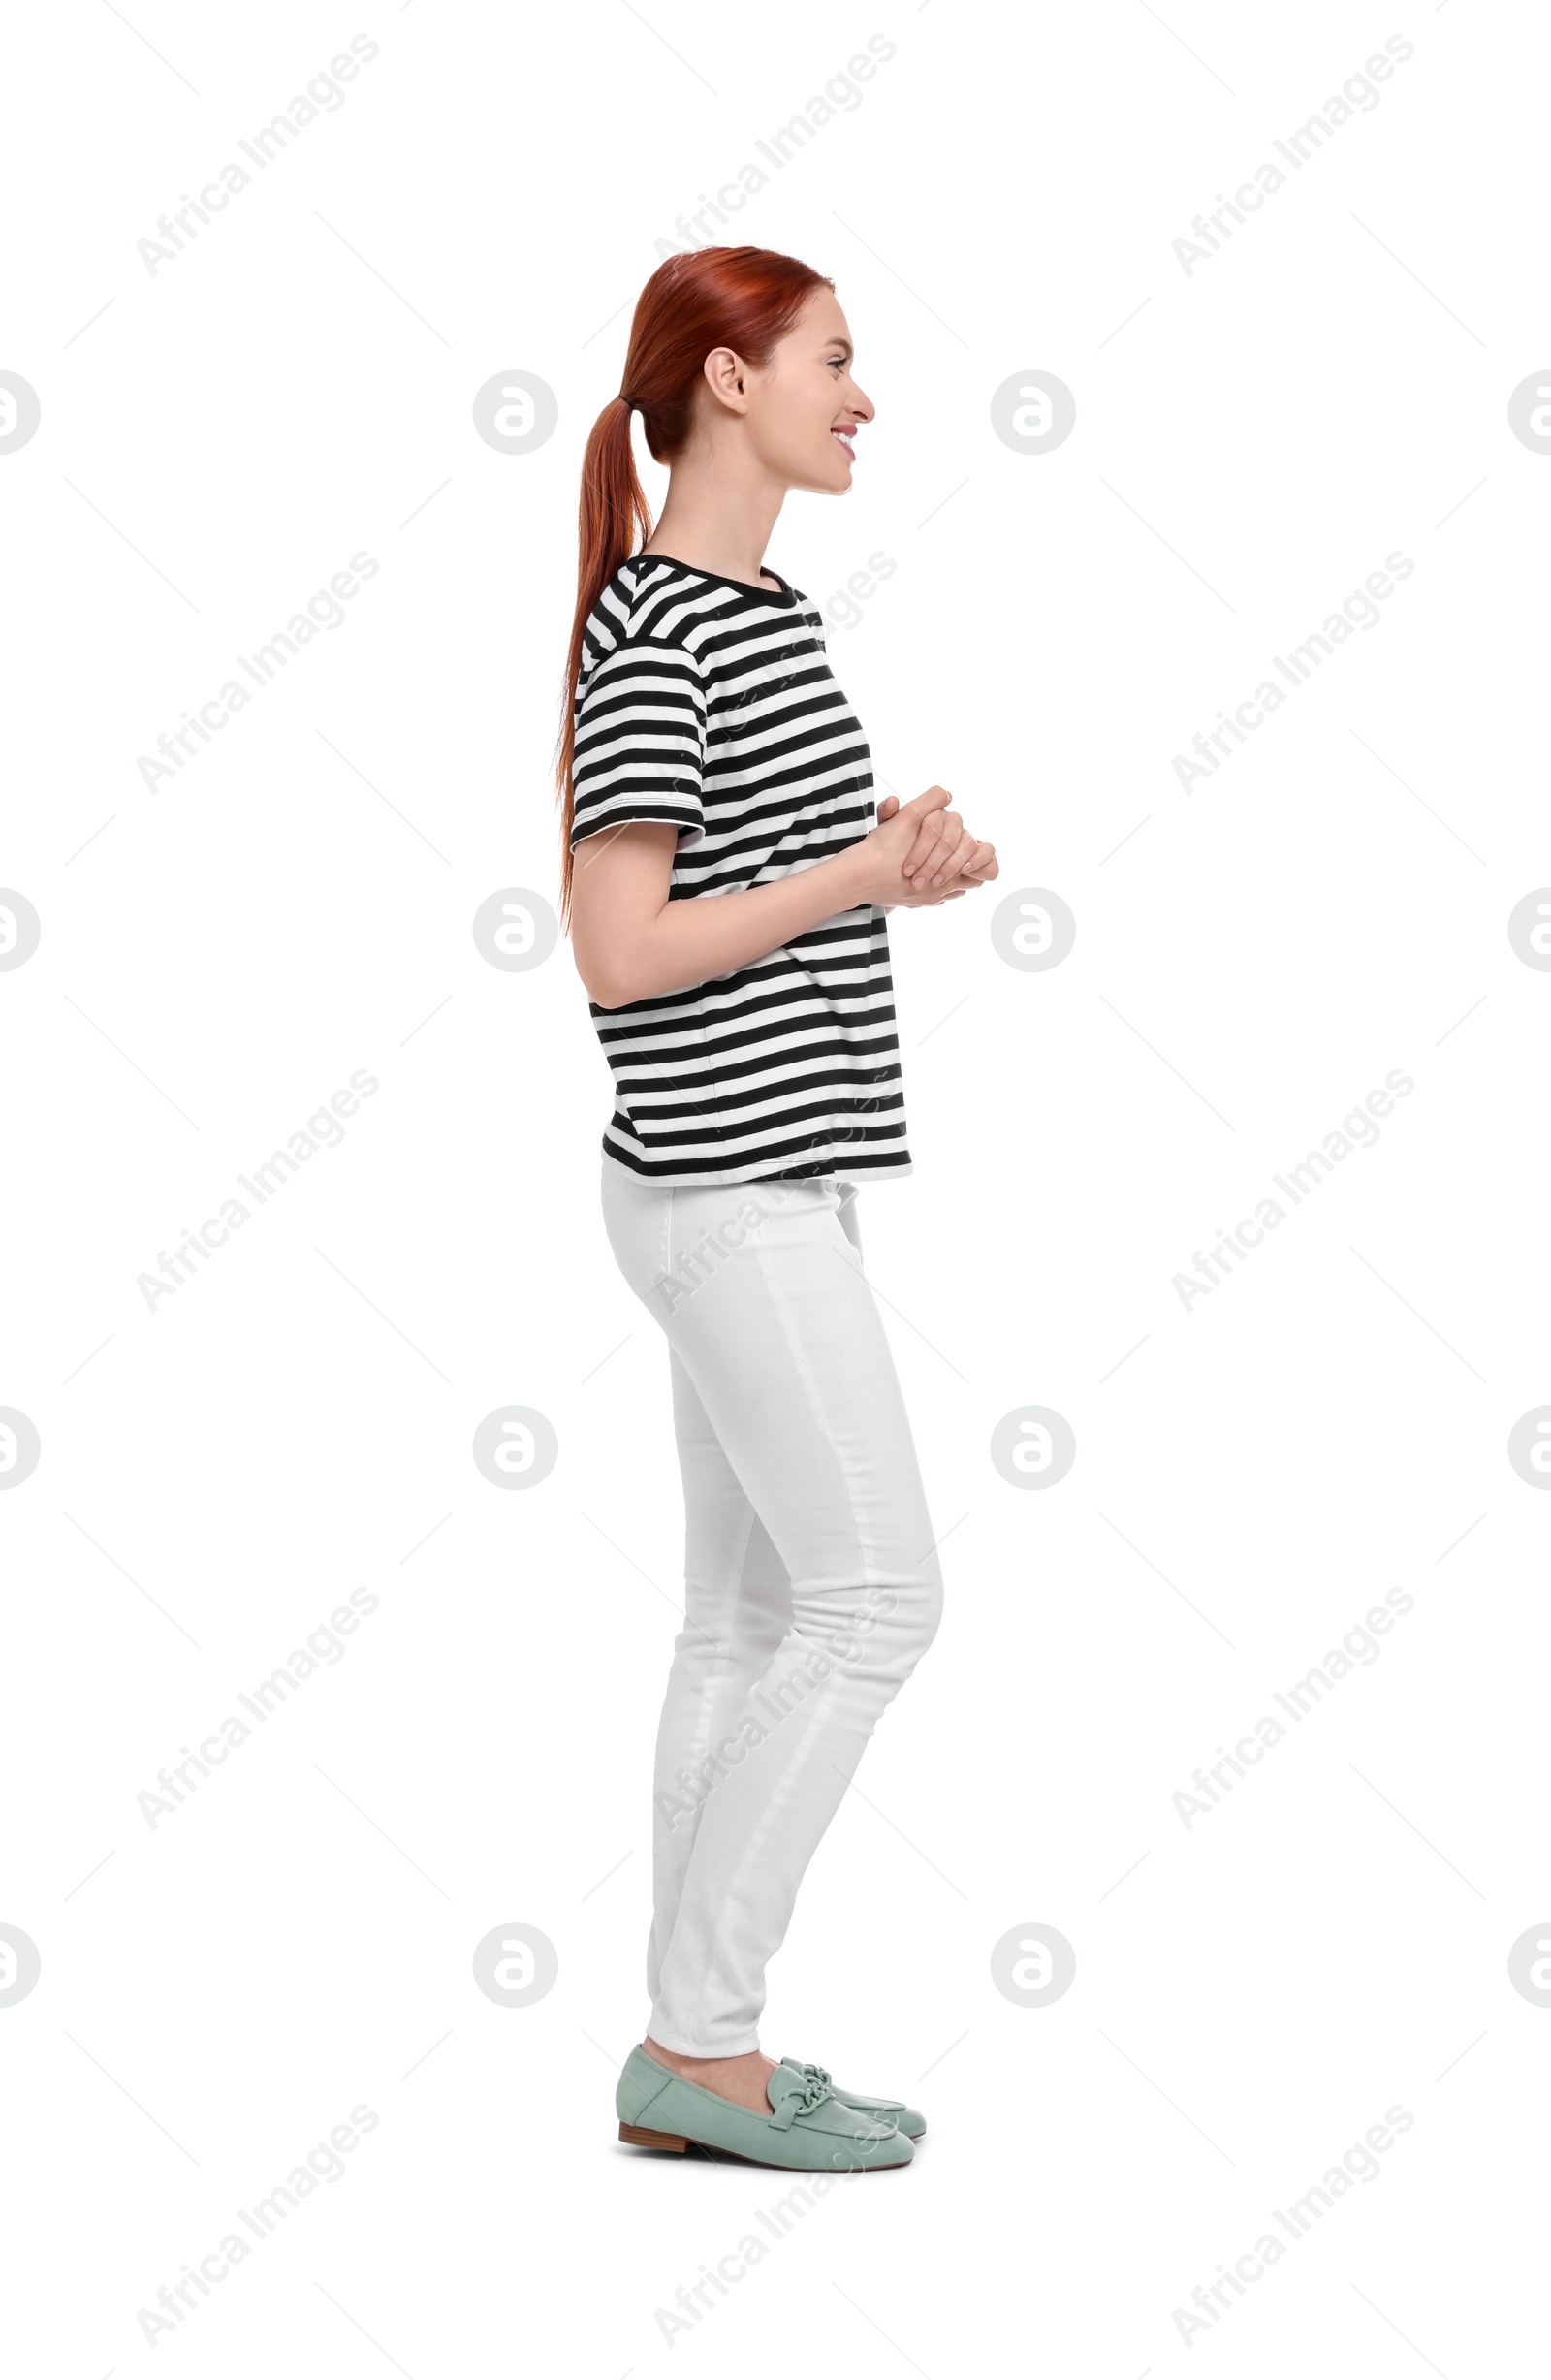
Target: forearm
<point>685,942</point>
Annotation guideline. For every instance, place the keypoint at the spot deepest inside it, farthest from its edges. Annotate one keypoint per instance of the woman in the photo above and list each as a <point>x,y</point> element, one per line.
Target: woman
<point>725,887</point>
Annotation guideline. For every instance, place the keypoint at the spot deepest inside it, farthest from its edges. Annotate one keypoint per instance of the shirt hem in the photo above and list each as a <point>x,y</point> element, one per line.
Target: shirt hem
<point>858,1163</point>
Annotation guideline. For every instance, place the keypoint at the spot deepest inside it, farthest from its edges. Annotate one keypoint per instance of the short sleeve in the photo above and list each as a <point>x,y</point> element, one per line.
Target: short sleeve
<point>640,742</point>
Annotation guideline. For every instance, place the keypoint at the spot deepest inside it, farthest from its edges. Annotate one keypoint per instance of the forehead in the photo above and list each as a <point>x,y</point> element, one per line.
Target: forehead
<point>823,318</point>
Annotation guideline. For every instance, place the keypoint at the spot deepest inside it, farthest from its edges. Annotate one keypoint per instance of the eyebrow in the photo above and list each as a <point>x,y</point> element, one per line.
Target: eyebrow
<point>841,343</point>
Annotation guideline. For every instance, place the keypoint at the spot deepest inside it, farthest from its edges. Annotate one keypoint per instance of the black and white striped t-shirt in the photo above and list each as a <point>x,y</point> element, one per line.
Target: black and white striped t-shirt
<point>708,704</point>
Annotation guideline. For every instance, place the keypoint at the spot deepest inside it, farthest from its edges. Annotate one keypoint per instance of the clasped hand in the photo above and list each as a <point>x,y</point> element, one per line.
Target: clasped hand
<point>921,853</point>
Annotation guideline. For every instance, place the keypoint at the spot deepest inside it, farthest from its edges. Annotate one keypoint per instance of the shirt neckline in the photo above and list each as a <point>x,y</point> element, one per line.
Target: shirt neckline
<point>784,593</point>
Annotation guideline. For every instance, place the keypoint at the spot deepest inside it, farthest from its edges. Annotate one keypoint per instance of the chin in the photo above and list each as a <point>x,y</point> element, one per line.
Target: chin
<point>833,483</point>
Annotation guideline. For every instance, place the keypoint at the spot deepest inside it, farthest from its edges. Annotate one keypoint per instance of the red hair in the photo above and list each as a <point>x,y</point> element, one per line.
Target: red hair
<point>746,299</point>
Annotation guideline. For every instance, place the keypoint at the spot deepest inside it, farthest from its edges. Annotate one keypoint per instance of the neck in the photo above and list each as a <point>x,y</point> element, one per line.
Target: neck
<point>716,521</point>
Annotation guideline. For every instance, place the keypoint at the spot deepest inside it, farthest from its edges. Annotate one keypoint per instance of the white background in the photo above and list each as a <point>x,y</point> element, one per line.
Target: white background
<point>1251,959</point>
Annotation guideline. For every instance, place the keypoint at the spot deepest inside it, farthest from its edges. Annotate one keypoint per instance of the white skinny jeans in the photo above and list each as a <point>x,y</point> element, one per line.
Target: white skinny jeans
<point>811,1584</point>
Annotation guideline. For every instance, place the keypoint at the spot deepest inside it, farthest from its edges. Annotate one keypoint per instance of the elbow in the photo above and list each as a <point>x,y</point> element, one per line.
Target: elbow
<point>622,987</point>
<point>609,987</point>
<point>604,978</point>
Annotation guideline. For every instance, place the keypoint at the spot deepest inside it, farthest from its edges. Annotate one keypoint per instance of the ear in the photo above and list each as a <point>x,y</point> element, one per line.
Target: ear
<point>723,370</point>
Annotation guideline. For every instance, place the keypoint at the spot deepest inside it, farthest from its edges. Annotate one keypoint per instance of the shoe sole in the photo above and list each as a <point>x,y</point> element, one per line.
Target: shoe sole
<point>638,2137</point>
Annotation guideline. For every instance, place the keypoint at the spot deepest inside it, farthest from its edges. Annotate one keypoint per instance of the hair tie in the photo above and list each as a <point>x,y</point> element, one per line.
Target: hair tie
<point>626,400</point>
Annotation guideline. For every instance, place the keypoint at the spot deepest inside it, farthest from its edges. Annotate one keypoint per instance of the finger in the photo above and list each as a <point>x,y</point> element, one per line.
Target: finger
<point>929,832</point>
<point>951,859</point>
<point>887,807</point>
<point>936,797</point>
<point>927,839</point>
<point>978,862</point>
<point>946,828</point>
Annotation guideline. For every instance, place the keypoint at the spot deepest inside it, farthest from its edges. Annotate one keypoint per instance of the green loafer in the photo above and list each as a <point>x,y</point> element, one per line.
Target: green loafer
<point>883,2111</point>
<point>807,2129</point>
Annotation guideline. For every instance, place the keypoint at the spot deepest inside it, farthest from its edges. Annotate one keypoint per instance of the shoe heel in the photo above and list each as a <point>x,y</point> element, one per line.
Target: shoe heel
<point>643,2138</point>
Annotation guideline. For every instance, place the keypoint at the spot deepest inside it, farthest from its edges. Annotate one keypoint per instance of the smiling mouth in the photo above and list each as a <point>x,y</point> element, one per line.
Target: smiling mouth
<point>843,437</point>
